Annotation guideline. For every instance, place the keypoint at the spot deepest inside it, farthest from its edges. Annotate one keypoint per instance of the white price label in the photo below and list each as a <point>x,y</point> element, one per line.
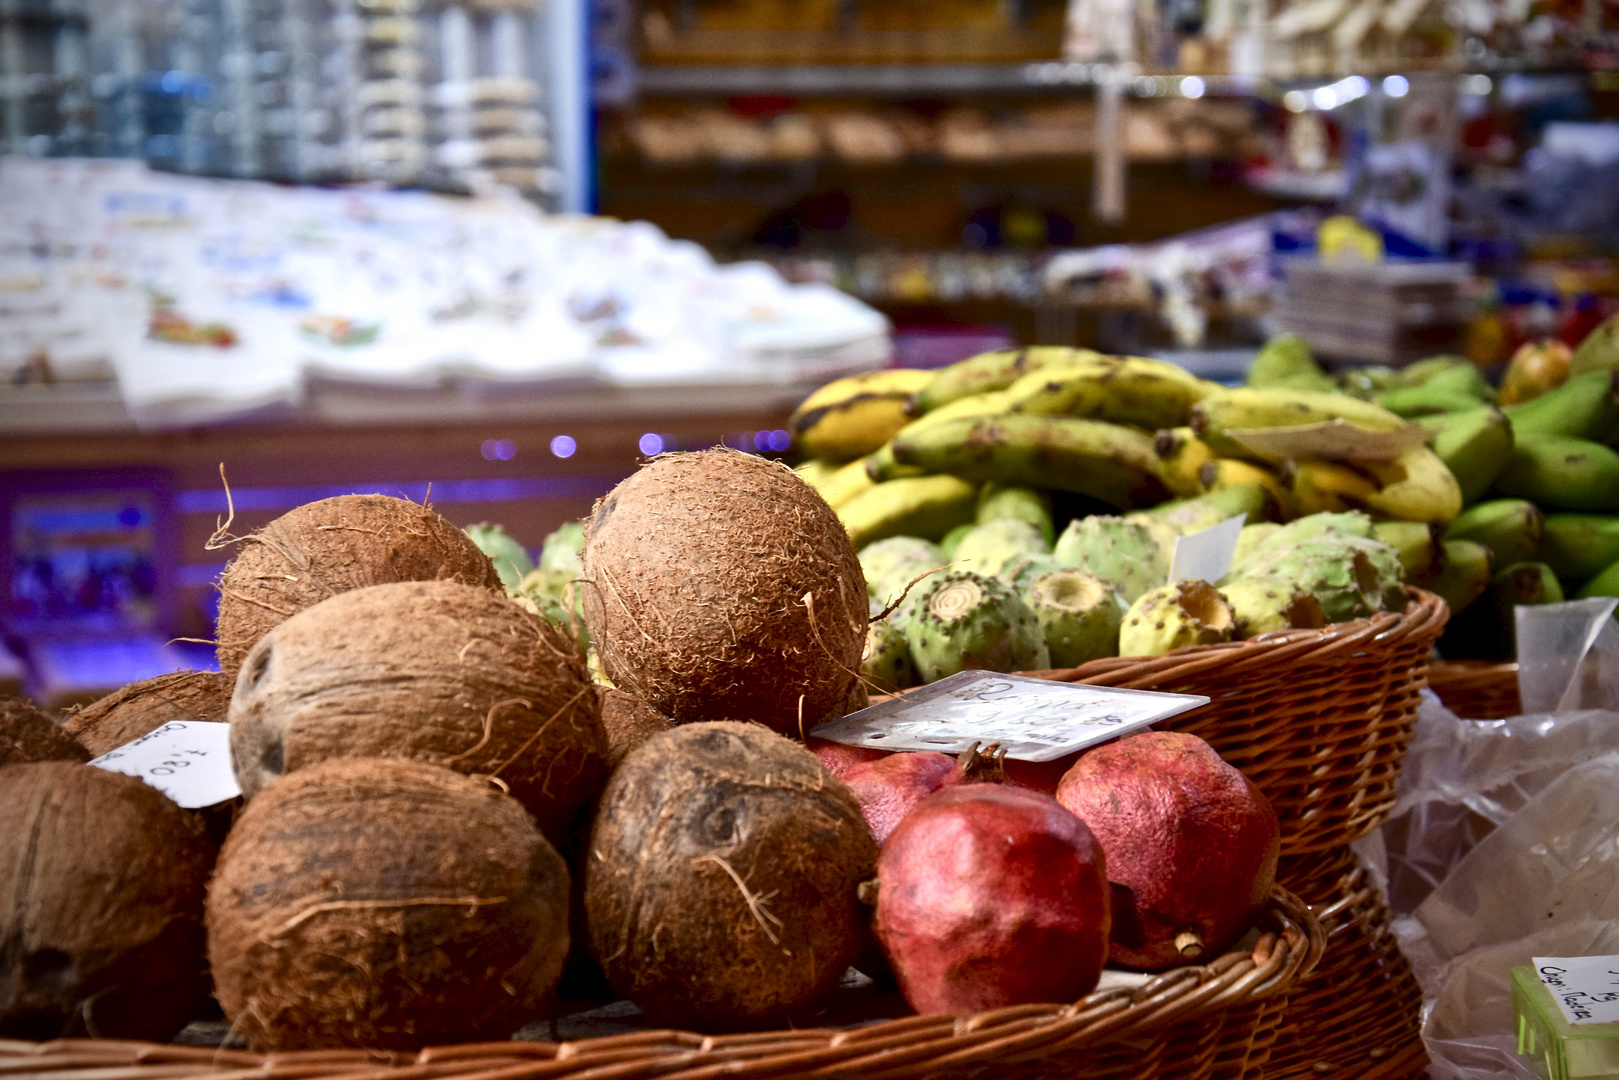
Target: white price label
<point>187,760</point>
<point>1032,719</point>
<point>1586,987</point>
<point>1206,556</point>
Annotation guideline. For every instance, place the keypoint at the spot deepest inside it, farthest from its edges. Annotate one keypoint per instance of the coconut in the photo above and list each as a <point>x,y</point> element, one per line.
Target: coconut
<point>328,547</point>
<point>26,734</point>
<point>381,903</point>
<point>720,586</point>
<point>101,903</point>
<point>628,722</point>
<point>141,708</point>
<point>721,888</point>
<point>432,670</point>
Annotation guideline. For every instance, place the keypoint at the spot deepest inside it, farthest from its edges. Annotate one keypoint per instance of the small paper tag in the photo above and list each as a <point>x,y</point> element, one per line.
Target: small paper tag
<point>1206,555</point>
<point>187,760</point>
<point>1586,987</point>
<point>1032,719</point>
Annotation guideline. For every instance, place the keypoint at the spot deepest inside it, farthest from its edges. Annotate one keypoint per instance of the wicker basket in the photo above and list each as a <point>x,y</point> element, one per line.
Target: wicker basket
<point>1318,719</point>
<point>1208,1022</point>
<point>1476,689</point>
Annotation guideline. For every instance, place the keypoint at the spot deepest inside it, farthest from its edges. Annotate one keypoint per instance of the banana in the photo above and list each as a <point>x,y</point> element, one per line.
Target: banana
<point>1223,473</point>
<point>1604,584</point>
<point>1415,486</point>
<point>1246,407</point>
<point>1192,515</point>
<point>881,464</point>
<point>850,417</point>
<point>1510,528</point>
<point>1585,407</point>
<point>1489,631</point>
<point>1105,461</point>
<point>1600,349</point>
<point>1562,473</point>
<point>815,473</point>
<point>1419,547</point>
<point>1127,390</point>
<point>1327,487</point>
<point>1578,547</point>
<point>1457,376</point>
<point>1474,445</point>
<point>846,482</point>
<point>925,506</point>
<point>1414,401</point>
<point>1286,361</point>
<point>990,371</point>
<point>1463,575</point>
<point>1181,454</point>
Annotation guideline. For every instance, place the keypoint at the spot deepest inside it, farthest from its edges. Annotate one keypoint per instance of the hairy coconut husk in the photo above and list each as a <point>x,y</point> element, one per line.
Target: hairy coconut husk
<point>141,708</point>
<point>26,734</point>
<point>328,547</point>
<point>628,722</point>
<point>101,904</point>
<point>433,670</point>
<point>721,889</point>
<point>381,903</point>
<point>719,586</point>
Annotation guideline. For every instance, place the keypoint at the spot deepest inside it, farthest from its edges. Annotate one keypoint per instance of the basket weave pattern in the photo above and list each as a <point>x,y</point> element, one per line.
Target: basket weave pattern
<point>1208,1022</point>
<point>1317,719</point>
<point>1476,689</point>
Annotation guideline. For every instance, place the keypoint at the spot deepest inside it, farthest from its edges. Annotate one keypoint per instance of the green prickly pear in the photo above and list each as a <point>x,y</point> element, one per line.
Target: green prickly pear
<point>1121,553</point>
<point>510,559</point>
<point>897,557</point>
<point>1263,604</point>
<point>1024,504</point>
<point>1352,577</point>
<point>1250,539</point>
<point>996,543</point>
<point>953,538</point>
<point>1350,523</point>
<point>1510,528</point>
<point>563,550</point>
<point>1079,614</point>
<point>1185,613</point>
<point>887,657</point>
<point>966,621</point>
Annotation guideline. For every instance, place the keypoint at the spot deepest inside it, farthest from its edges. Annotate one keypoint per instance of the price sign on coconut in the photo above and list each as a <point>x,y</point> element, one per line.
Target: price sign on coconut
<point>1032,719</point>
<point>187,760</point>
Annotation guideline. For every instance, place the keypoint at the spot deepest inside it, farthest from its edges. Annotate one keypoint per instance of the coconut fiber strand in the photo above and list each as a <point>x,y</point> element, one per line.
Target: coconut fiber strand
<point>141,708</point>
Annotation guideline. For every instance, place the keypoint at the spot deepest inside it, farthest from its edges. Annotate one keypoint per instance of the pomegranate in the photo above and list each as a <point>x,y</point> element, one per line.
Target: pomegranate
<point>891,787</point>
<point>990,896</point>
<point>1191,845</point>
<point>840,758</point>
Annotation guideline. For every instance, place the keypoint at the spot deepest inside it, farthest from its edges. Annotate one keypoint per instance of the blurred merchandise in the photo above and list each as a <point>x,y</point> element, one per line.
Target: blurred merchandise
<point>1385,312</point>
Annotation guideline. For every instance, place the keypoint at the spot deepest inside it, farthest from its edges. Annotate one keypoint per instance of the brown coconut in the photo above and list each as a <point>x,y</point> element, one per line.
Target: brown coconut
<point>26,734</point>
<point>328,547</point>
<point>367,902</point>
<point>141,708</point>
<point>101,906</point>
<point>432,670</point>
<point>721,889</point>
<point>628,722</point>
<point>720,586</point>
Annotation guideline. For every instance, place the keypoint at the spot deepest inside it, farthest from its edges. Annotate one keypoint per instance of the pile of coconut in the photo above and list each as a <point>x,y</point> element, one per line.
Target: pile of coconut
<point>459,805</point>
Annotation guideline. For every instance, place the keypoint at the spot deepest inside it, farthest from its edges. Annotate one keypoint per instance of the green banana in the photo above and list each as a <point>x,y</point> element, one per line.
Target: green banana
<point>1105,461</point>
<point>1474,445</point>
<point>1489,631</point>
<point>1604,584</point>
<point>1420,372</point>
<point>1600,349</point>
<point>1578,547</point>
<point>850,417</point>
<point>1562,473</point>
<point>880,463</point>
<point>1463,575</point>
<point>1286,361</point>
<point>1129,390</point>
<point>1419,548</point>
<point>1364,382</point>
<point>1192,515</point>
<point>1585,407</point>
<point>989,371</point>
<point>925,506</point>
<point>1247,407</point>
<point>1457,376</point>
<point>1414,401</point>
<point>1510,528</point>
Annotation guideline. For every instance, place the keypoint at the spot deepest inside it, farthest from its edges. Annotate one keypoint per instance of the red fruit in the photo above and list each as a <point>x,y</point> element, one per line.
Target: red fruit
<point>840,758</point>
<point>992,896</point>
<point>1192,840</point>
<point>1038,775</point>
<point>890,789</point>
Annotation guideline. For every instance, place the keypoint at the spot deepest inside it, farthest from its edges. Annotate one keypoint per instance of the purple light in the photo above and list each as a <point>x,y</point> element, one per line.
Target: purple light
<point>780,440</point>
<point>651,444</point>
<point>499,450</point>
<point>563,446</point>
<point>761,441</point>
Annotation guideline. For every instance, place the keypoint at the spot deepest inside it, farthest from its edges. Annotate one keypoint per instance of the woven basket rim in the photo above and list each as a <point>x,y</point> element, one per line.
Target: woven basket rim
<point>1289,946</point>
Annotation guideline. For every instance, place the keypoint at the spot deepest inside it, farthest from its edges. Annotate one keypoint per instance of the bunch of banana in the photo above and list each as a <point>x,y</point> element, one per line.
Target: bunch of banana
<point>1123,390</point>
<point>849,418</point>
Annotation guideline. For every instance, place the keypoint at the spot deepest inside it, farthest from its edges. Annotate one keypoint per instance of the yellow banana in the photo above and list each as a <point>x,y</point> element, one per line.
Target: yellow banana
<point>1327,486</point>
<point>851,417</point>
<point>846,482</point>
<point>1123,390</point>
<point>990,371</point>
<point>881,464</point>
<point>925,506</point>
<point>1415,486</point>
<point>1249,407</point>
<point>815,473</point>
<point>1222,473</point>
<point>1181,454</point>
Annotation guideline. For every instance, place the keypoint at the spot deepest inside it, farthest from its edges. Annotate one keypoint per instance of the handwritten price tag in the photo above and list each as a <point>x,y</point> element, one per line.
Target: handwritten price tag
<point>187,760</point>
<point>1033,719</point>
<point>1586,987</point>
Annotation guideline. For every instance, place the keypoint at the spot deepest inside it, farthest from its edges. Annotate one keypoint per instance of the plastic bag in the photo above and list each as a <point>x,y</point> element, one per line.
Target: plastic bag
<point>1568,655</point>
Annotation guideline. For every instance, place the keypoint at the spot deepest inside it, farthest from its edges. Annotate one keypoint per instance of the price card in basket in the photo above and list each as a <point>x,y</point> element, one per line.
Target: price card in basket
<point>187,760</point>
<point>1032,719</point>
<point>1586,988</point>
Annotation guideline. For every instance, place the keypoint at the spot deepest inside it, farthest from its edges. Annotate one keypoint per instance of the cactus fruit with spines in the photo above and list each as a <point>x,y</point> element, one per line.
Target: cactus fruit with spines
<point>989,547</point>
<point>1079,614</point>
<point>1171,616</point>
<point>1123,554</point>
<point>1263,604</point>
<point>964,621</point>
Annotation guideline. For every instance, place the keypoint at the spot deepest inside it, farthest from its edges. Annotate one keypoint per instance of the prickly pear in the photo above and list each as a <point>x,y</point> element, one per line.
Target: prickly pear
<point>1079,614</point>
<point>966,621</point>
<point>1120,553</point>
<point>1185,613</point>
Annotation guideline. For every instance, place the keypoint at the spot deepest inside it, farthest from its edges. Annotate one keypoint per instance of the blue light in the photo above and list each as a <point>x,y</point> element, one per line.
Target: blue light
<point>563,446</point>
<point>780,440</point>
<point>761,441</point>
<point>498,450</point>
<point>651,444</point>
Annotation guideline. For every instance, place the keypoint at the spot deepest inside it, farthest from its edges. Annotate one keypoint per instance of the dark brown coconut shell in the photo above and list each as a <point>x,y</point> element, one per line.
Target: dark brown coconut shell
<point>101,905</point>
<point>431,670</point>
<point>328,547</point>
<point>628,722</point>
<point>381,903</point>
<point>141,708</point>
<point>696,571</point>
<point>721,889</point>
<point>26,734</point>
